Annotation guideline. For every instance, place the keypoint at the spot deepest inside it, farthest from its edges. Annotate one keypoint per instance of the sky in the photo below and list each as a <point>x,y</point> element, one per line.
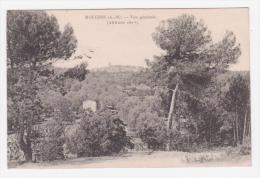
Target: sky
<point>131,44</point>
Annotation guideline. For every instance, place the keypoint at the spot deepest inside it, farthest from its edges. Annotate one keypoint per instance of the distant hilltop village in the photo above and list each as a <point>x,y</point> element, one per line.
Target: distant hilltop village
<point>119,68</point>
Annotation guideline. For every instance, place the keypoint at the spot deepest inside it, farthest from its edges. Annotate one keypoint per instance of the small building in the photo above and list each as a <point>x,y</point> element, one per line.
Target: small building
<point>90,104</point>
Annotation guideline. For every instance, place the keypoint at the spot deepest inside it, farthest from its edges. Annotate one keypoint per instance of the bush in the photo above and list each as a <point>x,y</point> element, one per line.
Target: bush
<point>14,152</point>
<point>98,135</point>
<point>51,147</point>
<point>154,137</point>
<point>245,148</point>
<point>52,150</point>
<point>79,72</point>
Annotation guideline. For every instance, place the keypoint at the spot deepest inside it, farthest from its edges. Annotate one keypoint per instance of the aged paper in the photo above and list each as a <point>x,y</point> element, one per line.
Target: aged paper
<point>131,88</point>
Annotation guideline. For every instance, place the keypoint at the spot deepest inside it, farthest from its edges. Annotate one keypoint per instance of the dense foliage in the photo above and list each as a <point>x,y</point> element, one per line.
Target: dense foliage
<point>191,63</point>
<point>98,134</point>
<point>184,100</point>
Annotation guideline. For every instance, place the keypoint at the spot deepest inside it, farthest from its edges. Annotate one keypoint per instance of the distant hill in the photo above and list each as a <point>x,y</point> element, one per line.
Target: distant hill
<point>225,76</point>
<point>135,69</point>
<point>224,79</point>
<point>118,68</point>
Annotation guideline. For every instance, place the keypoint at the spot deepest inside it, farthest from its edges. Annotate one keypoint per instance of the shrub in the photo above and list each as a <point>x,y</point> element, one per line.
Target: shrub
<point>245,148</point>
<point>154,137</point>
<point>79,72</point>
<point>14,153</point>
<point>52,150</point>
<point>51,147</point>
<point>98,134</point>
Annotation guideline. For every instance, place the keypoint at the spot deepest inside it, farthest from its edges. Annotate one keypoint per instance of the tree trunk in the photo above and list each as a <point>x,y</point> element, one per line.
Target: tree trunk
<point>240,131</point>
<point>169,119</point>
<point>245,125</point>
<point>234,133</point>
<point>28,153</point>
<point>236,124</point>
<point>249,128</point>
<point>210,135</point>
<point>25,145</point>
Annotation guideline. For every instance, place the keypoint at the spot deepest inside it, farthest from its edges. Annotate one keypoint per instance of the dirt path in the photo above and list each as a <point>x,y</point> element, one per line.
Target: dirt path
<point>138,160</point>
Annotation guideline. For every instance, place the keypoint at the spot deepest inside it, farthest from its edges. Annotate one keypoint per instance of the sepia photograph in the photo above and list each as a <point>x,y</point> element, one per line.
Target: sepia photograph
<point>128,88</point>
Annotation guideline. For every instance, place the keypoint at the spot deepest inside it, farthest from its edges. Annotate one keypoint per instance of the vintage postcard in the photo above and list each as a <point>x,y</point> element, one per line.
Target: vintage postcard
<point>128,88</point>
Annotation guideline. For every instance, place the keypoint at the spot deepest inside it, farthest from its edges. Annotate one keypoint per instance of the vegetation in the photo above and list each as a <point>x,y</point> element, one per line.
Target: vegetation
<point>191,60</point>
<point>99,134</point>
<point>33,40</point>
<point>185,100</point>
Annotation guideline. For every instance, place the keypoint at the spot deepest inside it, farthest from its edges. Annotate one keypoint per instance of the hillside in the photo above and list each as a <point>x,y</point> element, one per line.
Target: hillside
<point>119,68</point>
<point>223,78</point>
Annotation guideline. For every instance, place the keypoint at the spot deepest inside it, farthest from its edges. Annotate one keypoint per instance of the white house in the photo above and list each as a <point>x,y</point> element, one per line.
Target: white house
<point>90,104</point>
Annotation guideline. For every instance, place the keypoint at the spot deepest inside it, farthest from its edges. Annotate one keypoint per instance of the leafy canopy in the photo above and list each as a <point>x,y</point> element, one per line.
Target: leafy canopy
<point>191,57</point>
<point>34,37</point>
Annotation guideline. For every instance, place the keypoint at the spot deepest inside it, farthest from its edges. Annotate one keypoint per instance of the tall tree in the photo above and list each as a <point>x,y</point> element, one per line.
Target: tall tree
<point>191,58</point>
<point>237,101</point>
<point>34,40</point>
